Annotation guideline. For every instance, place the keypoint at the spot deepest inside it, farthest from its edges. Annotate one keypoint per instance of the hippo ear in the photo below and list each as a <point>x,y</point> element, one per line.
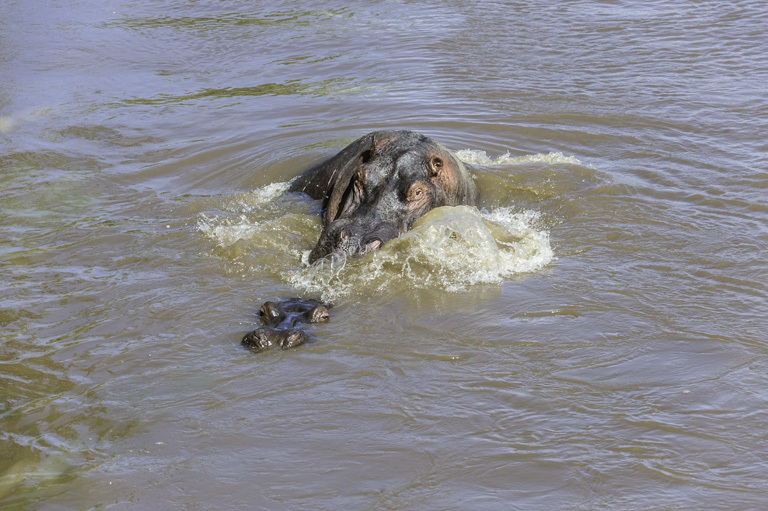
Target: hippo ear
<point>332,179</point>
<point>450,176</point>
<point>343,193</point>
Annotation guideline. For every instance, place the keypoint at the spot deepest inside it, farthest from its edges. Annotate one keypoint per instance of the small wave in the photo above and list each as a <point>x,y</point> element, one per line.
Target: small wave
<point>477,157</point>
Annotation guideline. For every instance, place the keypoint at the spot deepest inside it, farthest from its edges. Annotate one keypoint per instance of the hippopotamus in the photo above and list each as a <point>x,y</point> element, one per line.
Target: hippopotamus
<point>280,320</point>
<point>374,189</point>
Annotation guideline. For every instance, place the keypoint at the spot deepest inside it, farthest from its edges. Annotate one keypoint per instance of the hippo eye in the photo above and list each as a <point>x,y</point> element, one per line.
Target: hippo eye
<point>417,193</point>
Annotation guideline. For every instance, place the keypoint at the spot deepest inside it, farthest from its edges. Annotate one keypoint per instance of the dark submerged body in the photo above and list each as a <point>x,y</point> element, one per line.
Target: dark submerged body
<point>376,187</point>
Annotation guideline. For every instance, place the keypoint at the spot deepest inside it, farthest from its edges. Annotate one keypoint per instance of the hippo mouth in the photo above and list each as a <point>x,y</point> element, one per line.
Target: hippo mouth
<point>344,250</point>
<point>342,243</point>
<point>356,247</point>
<point>371,246</point>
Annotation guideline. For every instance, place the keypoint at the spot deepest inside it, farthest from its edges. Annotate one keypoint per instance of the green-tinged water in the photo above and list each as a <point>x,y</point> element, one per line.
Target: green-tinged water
<point>593,337</point>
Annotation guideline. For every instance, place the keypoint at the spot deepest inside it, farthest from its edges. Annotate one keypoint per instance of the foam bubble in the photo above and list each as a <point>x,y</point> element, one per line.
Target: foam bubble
<point>246,215</point>
<point>12,121</point>
<point>261,230</point>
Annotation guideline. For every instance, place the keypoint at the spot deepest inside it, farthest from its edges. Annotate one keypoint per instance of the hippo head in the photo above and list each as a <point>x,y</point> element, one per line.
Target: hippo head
<point>376,188</point>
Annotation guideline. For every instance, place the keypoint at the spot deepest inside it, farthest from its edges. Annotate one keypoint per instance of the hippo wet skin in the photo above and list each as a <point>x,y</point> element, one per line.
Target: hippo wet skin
<point>281,320</point>
<point>376,187</point>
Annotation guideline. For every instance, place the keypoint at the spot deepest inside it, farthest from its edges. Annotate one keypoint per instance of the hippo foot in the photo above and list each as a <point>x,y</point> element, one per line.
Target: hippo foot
<point>281,319</point>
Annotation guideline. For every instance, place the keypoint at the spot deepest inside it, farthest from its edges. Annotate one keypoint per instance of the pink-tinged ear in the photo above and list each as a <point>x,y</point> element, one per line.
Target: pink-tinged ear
<point>436,166</point>
<point>445,174</point>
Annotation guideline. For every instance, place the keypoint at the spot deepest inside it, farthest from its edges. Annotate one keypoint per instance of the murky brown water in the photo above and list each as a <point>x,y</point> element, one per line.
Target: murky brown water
<point>611,355</point>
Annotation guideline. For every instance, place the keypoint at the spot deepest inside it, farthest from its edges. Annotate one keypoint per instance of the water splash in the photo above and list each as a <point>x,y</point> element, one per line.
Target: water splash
<point>449,248</point>
<point>227,231</point>
<point>265,229</point>
<point>248,202</point>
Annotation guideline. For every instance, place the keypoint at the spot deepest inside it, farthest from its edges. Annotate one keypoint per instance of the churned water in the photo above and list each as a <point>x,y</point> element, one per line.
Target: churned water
<point>450,248</point>
<point>592,336</point>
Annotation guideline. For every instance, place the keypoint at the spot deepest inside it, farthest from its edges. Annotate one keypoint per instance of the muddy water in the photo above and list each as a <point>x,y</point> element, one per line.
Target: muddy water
<point>592,337</point>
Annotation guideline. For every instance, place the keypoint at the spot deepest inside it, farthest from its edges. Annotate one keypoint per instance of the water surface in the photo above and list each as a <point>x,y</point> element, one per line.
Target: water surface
<point>593,337</point>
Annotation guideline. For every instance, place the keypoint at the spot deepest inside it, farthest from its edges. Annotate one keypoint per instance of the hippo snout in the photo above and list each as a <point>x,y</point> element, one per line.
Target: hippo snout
<point>351,239</point>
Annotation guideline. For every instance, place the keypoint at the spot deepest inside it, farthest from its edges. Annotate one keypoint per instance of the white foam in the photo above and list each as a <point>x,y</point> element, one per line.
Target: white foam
<point>477,157</point>
<point>245,215</point>
<point>263,224</point>
<point>7,123</point>
<point>256,199</point>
